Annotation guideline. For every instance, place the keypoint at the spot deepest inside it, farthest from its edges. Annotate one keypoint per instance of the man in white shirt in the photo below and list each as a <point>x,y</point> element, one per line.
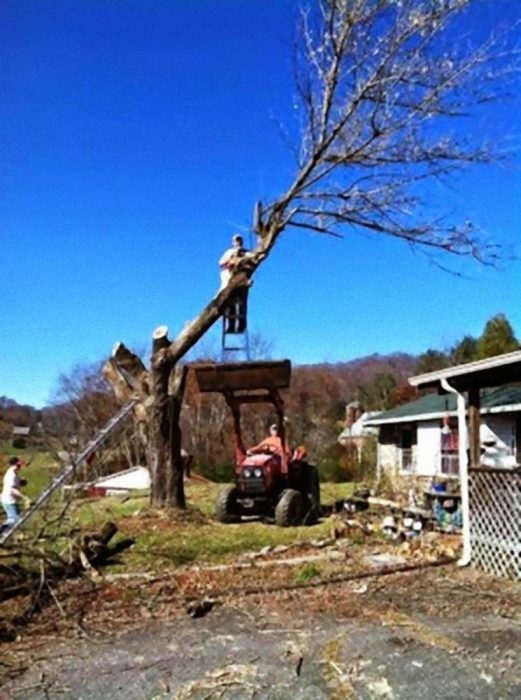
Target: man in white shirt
<point>11,494</point>
<point>235,312</point>
<point>230,258</point>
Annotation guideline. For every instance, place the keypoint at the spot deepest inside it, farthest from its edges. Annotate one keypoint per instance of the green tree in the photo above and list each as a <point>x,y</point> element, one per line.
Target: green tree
<point>378,395</point>
<point>431,361</point>
<point>497,338</point>
<point>464,351</point>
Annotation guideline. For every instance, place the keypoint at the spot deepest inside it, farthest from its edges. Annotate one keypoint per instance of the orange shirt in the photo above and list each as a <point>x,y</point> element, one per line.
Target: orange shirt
<point>272,443</point>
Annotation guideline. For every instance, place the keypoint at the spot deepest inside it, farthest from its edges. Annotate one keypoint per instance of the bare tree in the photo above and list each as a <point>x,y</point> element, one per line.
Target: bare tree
<point>83,403</point>
<point>380,84</point>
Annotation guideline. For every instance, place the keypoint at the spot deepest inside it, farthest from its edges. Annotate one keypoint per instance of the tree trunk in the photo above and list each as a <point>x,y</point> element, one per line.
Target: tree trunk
<point>159,457</point>
<point>175,478</point>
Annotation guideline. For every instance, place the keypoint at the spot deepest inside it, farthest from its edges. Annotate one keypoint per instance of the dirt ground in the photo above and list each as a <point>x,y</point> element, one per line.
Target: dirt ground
<point>274,628</point>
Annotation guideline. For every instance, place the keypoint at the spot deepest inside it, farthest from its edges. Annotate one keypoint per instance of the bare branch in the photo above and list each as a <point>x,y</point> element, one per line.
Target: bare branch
<point>380,83</point>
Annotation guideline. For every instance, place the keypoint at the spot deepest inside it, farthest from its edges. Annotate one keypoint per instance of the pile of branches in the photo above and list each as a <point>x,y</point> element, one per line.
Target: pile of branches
<point>29,571</point>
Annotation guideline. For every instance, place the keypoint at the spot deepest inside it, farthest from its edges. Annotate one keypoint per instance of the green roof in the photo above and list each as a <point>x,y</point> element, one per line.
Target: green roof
<point>446,403</point>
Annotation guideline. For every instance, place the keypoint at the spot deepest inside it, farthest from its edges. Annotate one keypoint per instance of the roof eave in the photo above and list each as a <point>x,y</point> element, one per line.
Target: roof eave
<point>492,371</point>
<point>434,415</point>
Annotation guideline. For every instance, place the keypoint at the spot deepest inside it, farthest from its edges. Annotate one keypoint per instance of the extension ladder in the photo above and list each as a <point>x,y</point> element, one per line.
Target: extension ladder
<point>88,450</point>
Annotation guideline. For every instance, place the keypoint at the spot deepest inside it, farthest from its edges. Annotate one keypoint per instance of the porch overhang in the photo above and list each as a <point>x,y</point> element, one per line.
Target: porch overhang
<point>493,371</point>
<point>471,378</point>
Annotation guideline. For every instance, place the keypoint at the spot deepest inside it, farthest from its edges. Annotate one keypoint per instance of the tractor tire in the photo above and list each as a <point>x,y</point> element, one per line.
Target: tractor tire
<point>309,486</point>
<point>227,509</point>
<point>314,496</point>
<point>290,509</point>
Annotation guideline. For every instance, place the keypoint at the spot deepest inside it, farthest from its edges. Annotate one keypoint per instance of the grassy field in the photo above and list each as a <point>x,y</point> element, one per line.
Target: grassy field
<point>167,539</point>
<point>164,538</point>
<point>41,467</point>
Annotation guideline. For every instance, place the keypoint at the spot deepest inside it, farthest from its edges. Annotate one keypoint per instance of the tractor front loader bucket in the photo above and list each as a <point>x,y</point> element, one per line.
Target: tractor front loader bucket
<point>227,378</point>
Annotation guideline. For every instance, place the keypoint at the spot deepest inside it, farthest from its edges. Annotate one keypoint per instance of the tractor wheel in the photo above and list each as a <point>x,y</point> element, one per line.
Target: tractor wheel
<point>226,507</point>
<point>290,509</point>
<point>313,496</point>
<point>309,486</point>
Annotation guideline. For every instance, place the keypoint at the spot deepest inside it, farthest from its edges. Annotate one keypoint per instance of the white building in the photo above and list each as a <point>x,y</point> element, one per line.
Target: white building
<point>420,438</point>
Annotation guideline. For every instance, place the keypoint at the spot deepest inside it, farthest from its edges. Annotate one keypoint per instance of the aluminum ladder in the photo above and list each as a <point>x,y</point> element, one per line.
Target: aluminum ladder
<point>87,451</point>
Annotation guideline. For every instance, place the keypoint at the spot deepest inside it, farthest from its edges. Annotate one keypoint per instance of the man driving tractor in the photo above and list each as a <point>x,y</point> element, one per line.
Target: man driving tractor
<point>268,481</point>
<point>271,444</point>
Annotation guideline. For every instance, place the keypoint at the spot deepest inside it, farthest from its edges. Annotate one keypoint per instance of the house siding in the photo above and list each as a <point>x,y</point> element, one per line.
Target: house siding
<point>429,449</point>
<point>503,429</point>
<point>387,456</point>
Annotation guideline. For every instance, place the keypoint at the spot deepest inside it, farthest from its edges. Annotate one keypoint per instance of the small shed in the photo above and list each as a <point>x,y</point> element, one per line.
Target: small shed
<point>133,479</point>
<point>21,435</point>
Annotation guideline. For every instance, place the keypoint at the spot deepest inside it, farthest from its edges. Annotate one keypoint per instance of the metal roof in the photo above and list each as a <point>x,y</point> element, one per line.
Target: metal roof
<point>433,406</point>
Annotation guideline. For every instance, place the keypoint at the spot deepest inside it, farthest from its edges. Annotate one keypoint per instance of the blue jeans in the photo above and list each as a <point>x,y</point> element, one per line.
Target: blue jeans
<point>13,512</point>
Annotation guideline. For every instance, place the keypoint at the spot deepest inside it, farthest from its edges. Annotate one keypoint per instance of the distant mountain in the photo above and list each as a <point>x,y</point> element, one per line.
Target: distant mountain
<point>400,361</point>
<point>364,371</point>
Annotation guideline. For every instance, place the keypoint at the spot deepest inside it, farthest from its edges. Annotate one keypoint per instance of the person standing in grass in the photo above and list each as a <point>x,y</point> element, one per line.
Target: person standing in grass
<point>11,494</point>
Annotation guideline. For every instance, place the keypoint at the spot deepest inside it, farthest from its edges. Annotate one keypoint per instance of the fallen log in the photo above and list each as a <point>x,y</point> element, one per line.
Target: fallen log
<point>90,551</point>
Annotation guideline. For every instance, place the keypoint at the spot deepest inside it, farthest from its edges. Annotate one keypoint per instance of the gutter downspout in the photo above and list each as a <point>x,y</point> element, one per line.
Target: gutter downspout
<point>463,471</point>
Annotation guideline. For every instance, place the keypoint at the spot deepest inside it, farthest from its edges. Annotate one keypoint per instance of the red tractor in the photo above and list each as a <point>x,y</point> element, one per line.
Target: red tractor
<point>270,483</point>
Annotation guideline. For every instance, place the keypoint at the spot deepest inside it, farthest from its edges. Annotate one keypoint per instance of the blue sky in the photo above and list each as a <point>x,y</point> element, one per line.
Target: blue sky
<point>136,137</point>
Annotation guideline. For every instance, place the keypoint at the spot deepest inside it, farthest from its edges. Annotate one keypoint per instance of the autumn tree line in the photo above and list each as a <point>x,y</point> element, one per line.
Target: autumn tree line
<point>315,405</point>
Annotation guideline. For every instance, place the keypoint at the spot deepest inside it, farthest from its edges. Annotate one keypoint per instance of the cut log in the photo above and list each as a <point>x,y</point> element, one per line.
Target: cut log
<point>160,339</point>
<point>89,550</point>
<point>126,373</point>
<point>128,361</point>
<point>120,387</point>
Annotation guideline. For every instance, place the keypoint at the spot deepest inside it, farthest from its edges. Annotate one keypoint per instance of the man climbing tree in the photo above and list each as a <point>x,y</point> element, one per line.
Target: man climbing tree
<point>236,310</point>
<point>379,84</point>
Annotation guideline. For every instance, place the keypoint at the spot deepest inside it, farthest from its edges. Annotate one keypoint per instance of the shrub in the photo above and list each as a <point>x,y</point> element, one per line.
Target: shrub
<point>367,469</point>
<point>337,464</point>
<point>222,473</point>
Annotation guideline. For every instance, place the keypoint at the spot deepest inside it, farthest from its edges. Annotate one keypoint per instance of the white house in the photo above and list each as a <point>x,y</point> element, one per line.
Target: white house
<point>420,438</point>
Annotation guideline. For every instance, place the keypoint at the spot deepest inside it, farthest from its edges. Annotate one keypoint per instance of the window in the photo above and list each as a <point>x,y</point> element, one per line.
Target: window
<point>407,439</point>
<point>449,447</point>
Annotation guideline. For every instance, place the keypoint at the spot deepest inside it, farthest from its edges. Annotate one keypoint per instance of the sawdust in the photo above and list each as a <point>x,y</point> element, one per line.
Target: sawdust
<point>335,675</point>
<point>216,682</point>
<point>420,632</point>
